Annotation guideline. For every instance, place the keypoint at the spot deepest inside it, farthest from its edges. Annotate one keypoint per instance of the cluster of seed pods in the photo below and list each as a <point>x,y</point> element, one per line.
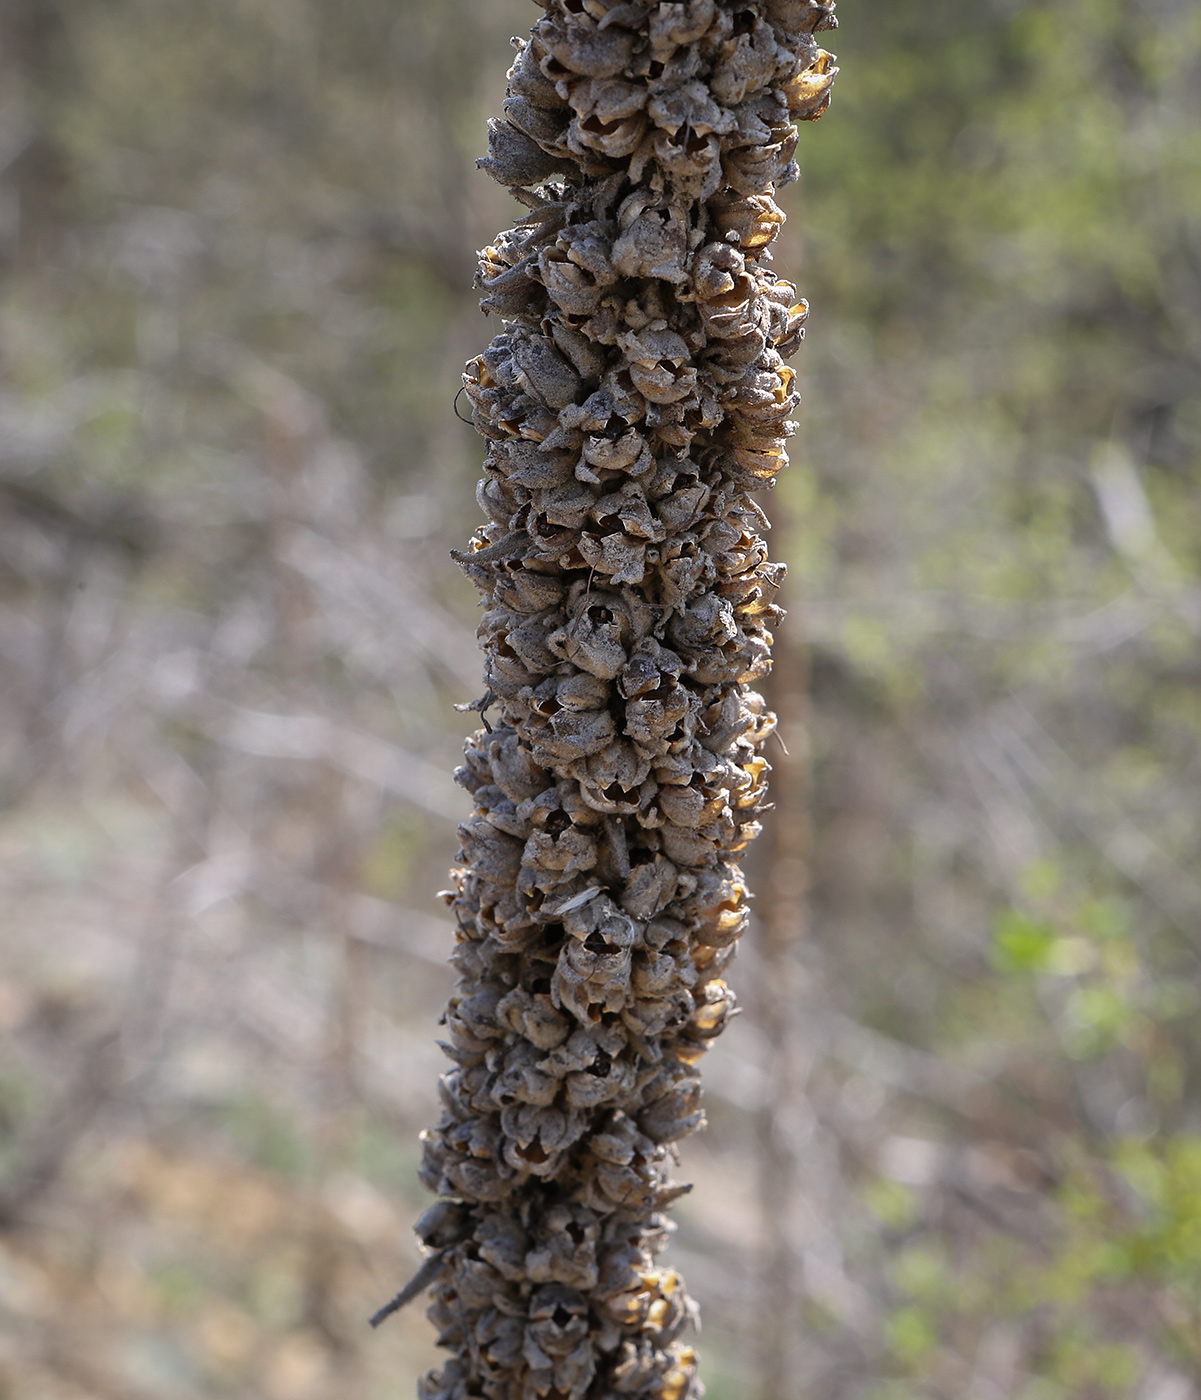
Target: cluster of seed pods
<point>635,397</point>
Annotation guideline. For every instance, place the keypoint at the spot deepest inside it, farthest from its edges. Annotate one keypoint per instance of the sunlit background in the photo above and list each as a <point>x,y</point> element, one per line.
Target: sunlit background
<point>955,1140</point>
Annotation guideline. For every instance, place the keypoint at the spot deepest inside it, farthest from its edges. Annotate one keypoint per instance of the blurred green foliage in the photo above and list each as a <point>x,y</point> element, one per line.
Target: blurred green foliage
<point>1000,455</point>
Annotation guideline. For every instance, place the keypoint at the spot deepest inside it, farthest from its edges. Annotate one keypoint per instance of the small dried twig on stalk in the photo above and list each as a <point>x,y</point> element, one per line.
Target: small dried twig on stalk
<point>635,396</point>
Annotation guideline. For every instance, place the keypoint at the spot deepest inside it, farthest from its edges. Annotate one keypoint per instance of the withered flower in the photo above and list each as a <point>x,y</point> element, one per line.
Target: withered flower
<point>636,393</point>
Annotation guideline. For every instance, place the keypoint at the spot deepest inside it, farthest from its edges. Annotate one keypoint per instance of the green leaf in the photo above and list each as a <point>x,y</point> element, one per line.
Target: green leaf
<point>1022,944</point>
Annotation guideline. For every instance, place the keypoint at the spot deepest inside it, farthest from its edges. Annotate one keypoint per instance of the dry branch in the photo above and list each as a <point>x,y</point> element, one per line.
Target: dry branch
<point>635,396</point>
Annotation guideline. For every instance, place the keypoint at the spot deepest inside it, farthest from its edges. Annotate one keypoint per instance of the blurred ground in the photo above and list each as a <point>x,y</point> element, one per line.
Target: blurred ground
<point>236,247</point>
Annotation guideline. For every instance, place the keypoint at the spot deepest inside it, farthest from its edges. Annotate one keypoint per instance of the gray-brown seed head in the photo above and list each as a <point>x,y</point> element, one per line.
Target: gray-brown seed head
<point>634,397</point>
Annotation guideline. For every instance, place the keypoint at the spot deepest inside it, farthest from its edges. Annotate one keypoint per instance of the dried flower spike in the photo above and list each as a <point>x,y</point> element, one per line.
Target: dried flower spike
<point>635,396</point>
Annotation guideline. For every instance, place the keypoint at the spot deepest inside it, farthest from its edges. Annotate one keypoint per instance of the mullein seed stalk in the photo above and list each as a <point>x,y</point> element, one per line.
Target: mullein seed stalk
<point>633,400</point>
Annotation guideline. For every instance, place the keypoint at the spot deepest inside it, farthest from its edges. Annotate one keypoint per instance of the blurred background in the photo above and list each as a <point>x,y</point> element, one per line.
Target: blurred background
<point>955,1139</point>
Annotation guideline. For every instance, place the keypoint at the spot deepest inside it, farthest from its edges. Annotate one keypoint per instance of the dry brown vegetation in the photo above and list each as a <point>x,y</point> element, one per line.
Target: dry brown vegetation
<point>958,1123</point>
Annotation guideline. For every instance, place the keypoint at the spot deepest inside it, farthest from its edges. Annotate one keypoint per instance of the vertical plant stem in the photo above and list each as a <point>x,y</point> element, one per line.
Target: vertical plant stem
<point>633,401</point>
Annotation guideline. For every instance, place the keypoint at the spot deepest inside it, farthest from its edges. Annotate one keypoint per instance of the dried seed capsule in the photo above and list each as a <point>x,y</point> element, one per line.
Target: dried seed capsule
<point>635,393</point>
<point>517,159</point>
